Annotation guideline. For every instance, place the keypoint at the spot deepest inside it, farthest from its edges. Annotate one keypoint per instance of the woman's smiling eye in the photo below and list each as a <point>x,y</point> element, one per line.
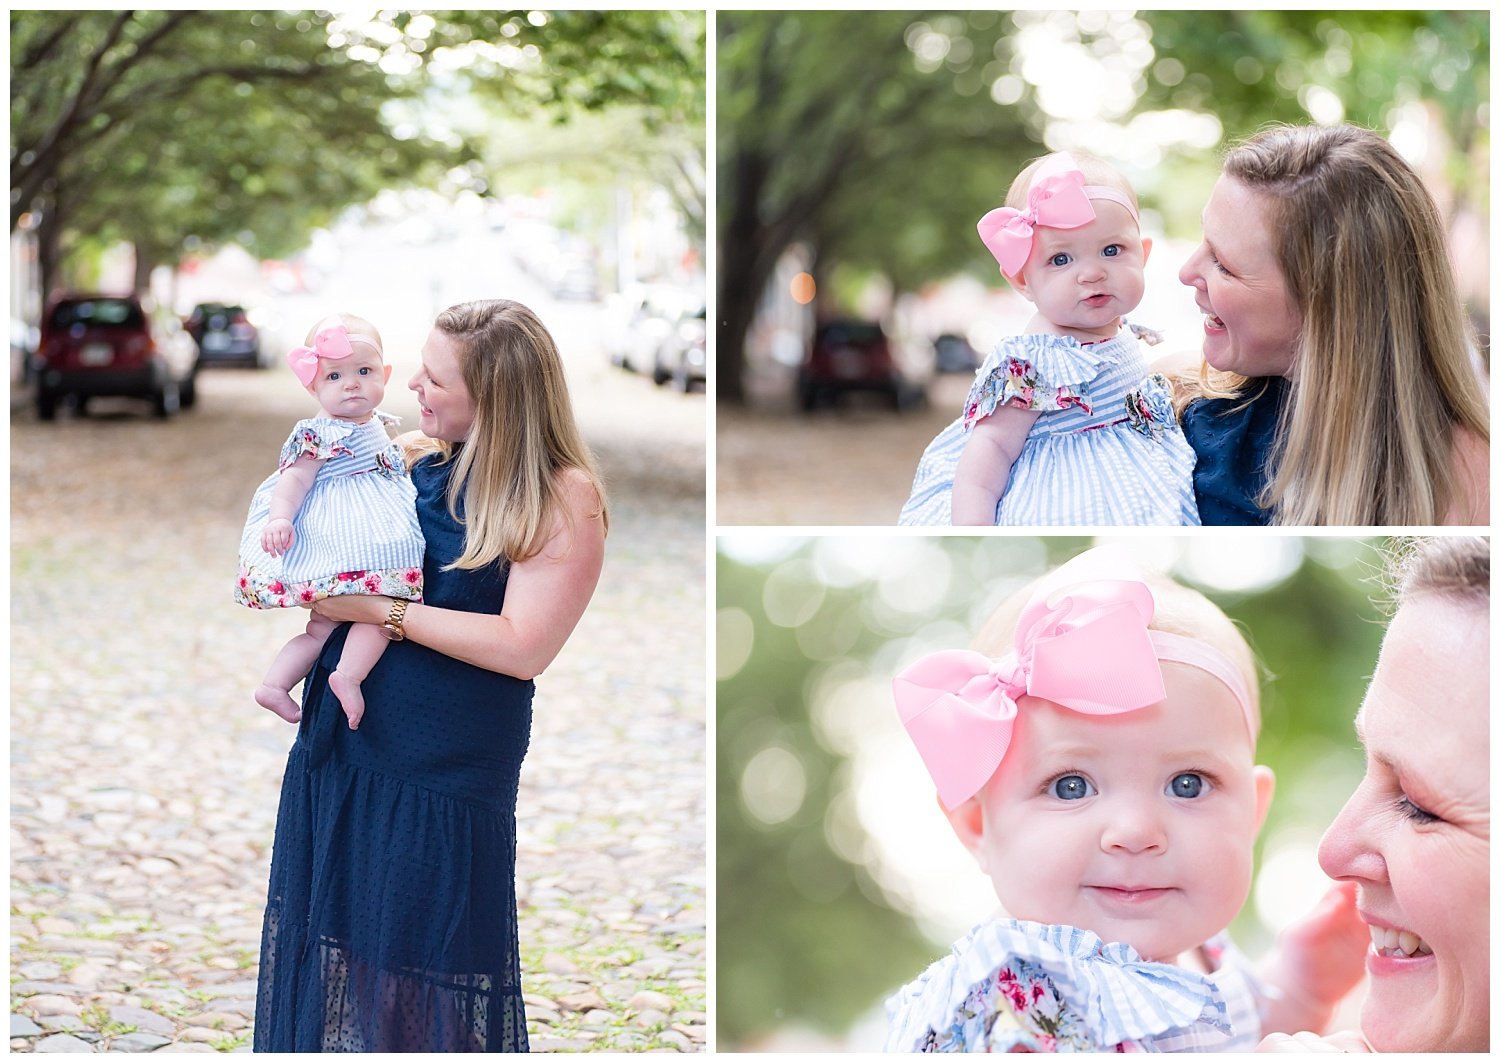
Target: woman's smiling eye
<point>1188,784</point>
<point>1071,787</point>
<point>1062,258</point>
<point>1414,812</point>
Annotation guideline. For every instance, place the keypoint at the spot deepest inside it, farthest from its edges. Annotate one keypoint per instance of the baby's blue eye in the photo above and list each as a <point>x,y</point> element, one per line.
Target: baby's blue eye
<point>364,370</point>
<point>1188,784</point>
<point>333,375</point>
<point>1062,258</point>
<point>1112,250</point>
<point>1071,787</point>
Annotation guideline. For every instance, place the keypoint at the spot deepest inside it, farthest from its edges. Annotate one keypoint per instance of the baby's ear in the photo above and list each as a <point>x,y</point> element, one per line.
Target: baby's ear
<point>1145,249</point>
<point>967,821</point>
<point>1265,789</point>
<point>388,368</point>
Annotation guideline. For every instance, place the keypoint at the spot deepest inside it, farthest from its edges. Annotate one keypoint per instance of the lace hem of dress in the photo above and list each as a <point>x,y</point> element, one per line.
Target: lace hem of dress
<point>263,590</point>
<point>368,1009</point>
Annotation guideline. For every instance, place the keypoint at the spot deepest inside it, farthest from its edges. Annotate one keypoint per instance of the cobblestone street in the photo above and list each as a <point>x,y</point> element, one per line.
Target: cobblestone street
<point>144,779</point>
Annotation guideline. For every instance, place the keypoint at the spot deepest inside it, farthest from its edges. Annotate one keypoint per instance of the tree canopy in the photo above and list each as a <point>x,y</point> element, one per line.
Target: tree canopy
<point>172,128</point>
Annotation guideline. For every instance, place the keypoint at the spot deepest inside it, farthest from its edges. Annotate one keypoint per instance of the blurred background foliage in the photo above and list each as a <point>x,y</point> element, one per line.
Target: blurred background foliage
<point>874,140</point>
<point>838,880</point>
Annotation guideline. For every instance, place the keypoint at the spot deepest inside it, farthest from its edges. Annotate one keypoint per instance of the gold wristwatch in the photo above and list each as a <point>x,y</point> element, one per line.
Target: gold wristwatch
<point>393,628</point>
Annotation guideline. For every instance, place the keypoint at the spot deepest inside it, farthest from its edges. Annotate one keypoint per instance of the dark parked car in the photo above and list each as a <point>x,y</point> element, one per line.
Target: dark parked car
<point>849,356</point>
<point>98,345</point>
<point>683,357</point>
<point>225,335</point>
<point>954,354</point>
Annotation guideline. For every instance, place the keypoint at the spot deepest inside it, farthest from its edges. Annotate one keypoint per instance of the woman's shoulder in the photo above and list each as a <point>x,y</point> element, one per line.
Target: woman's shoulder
<point>580,497</point>
<point>1471,478</point>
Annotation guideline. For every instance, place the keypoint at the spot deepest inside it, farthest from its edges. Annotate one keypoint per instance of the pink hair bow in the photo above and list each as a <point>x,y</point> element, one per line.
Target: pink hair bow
<point>1082,642</point>
<point>331,342</point>
<point>1057,199</point>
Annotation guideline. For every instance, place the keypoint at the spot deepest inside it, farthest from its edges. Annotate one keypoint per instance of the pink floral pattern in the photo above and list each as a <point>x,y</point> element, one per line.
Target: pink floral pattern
<point>257,590</point>
<point>1017,1009</point>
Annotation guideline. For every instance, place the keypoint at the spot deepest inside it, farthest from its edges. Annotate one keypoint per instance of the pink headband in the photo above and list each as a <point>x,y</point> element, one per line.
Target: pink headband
<point>1082,642</point>
<point>1058,199</point>
<point>333,343</point>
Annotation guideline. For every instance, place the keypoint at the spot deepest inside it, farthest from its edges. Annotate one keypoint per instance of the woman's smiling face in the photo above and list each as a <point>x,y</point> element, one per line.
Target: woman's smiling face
<point>1415,836</point>
<point>1250,322</point>
<point>445,405</point>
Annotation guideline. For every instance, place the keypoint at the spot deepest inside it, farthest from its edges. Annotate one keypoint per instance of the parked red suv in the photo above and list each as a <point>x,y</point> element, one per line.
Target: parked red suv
<point>96,345</point>
<point>848,356</point>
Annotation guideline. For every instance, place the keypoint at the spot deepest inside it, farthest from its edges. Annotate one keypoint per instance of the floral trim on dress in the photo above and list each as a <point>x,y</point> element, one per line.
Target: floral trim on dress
<point>1016,1009</point>
<point>259,590</point>
<point>1148,408</point>
<point>1012,985</point>
<point>323,440</point>
<point>1039,372</point>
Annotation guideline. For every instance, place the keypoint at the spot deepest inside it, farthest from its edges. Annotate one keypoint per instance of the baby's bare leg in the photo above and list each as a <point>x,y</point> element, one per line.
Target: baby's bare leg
<point>362,649</point>
<point>289,667</point>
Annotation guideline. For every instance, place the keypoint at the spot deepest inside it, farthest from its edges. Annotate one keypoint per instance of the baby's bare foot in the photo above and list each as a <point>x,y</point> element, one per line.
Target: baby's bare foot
<point>350,696</point>
<point>278,701</point>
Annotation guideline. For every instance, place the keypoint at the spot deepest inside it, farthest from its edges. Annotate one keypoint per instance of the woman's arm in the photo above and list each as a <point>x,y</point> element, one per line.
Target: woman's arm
<point>286,499</point>
<point>545,597</point>
<point>983,469</point>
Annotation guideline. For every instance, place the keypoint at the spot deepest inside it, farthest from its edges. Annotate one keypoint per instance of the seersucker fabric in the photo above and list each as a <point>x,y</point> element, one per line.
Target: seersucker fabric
<point>1012,985</point>
<point>1105,450</point>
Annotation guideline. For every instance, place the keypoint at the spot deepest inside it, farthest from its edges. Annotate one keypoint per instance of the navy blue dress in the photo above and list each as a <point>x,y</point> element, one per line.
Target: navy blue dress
<point>391,918</point>
<point>1234,452</point>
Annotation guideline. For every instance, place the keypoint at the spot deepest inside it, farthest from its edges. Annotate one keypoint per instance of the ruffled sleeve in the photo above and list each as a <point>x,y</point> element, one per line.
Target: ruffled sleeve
<point>1019,986</point>
<point>320,437</point>
<point>1033,372</point>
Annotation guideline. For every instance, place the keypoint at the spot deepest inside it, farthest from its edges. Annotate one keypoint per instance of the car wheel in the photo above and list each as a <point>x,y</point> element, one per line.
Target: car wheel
<point>660,374</point>
<point>680,379</point>
<point>188,393</point>
<point>167,401</point>
<point>46,405</point>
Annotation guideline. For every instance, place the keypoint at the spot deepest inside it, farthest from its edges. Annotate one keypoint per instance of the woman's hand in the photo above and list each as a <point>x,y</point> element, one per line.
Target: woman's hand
<point>1343,1041</point>
<point>358,608</point>
<point>277,536</point>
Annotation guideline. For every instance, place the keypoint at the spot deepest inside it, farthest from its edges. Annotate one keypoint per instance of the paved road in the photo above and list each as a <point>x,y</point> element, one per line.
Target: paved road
<point>850,465</point>
<point>144,778</point>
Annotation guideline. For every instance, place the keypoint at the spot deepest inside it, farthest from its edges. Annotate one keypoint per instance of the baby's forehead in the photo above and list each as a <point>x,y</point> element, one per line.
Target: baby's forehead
<point>1198,714</point>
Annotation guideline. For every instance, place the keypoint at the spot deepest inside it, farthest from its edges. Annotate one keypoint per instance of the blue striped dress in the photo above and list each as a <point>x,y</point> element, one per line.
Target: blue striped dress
<point>1107,449</point>
<point>357,530</point>
<point>1013,986</point>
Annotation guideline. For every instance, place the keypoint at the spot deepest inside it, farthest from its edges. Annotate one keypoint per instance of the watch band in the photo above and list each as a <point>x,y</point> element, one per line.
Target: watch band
<point>394,626</point>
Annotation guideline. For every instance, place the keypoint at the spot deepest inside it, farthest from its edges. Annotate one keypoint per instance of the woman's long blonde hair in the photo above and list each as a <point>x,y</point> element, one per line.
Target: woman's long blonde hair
<point>524,438</point>
<point>1384,373</point>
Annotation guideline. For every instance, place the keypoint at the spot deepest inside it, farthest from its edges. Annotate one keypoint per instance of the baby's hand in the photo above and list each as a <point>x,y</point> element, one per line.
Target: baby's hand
<point>278,536</point>
<point>1324,953</point>
<point>1343,1041</point>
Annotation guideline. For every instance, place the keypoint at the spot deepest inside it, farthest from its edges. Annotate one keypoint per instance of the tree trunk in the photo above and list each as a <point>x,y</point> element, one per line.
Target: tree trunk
<point>745,263</point>
<point>145,262</point>
<point>49,245</point>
